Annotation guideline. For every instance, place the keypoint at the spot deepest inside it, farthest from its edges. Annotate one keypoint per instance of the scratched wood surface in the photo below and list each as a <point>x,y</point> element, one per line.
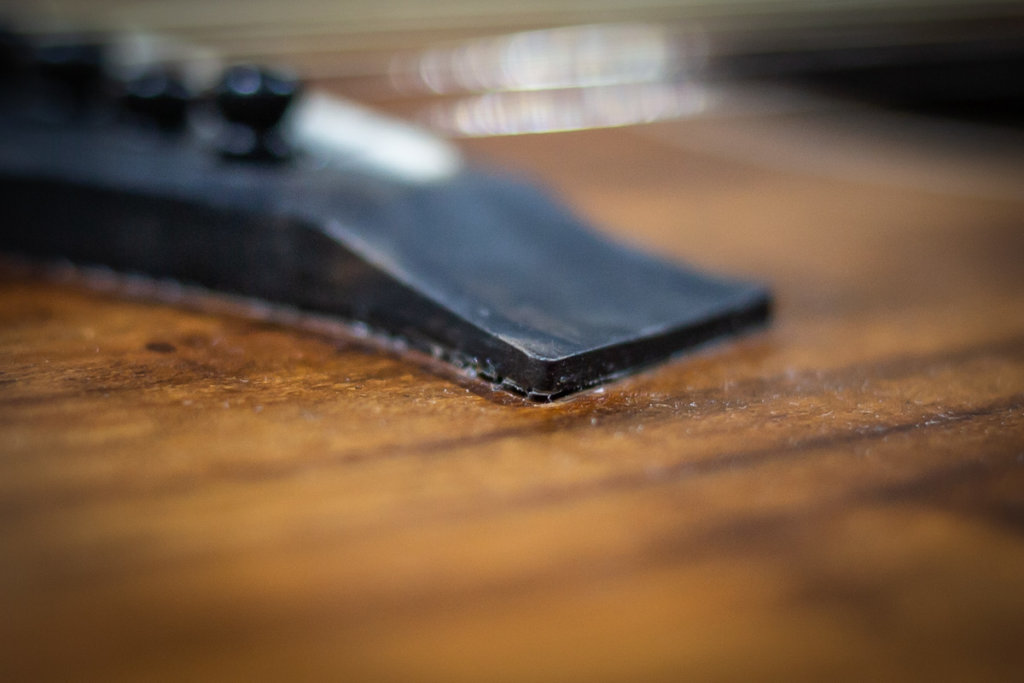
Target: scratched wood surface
<point>190,495</point>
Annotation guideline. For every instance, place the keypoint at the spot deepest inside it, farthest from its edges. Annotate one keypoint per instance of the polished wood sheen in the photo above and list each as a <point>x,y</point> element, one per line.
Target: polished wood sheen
<point>188,494</point>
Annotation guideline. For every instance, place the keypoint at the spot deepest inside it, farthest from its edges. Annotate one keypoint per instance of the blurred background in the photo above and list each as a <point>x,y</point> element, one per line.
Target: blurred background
<point>564,64</point>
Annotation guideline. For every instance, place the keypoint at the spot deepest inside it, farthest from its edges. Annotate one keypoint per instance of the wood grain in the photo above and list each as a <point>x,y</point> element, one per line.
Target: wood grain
<point>191,495</point>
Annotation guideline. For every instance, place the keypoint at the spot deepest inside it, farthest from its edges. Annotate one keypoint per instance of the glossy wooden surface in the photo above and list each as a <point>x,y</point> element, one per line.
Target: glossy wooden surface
<point>189,495</point>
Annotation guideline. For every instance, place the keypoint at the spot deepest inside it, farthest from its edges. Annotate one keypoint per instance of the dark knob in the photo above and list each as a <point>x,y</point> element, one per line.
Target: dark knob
<point>157,96</point>
<point>252,101</point>
<point>74,71</point>
<point>14,54</point>
<point>14,61</point>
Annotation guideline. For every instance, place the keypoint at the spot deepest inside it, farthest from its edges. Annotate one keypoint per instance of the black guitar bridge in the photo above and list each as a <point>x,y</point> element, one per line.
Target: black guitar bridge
<point>478,268</point>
